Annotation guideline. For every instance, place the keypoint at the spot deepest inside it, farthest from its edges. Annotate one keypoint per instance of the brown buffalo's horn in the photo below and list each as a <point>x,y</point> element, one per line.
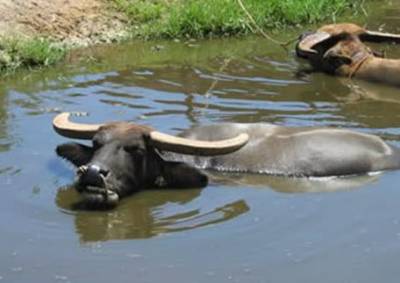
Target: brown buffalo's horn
<point>306,44</point>
<point>196,147</point>
<point>336,29</point>
<point>304,48</point>
<point>63,126</point>
<point>376,36</point>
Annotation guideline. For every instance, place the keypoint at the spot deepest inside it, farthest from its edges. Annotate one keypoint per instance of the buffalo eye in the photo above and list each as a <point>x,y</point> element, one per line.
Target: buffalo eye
<point>133,148</point>
<point>96,144</point>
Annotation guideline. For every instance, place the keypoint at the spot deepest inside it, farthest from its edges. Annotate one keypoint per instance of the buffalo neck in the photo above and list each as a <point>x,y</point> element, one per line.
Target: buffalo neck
<point>380,70</point>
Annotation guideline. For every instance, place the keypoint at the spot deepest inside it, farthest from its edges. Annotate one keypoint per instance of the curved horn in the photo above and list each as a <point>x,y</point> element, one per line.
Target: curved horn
<point>195,147</point>
<point>376,36</point>
<point>63,126</point>
<point>336,29</point>
<point>306,43</point>
<point>364,34</point>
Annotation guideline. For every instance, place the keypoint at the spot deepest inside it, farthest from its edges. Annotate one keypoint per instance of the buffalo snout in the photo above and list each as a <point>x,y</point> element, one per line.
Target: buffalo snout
<point>92,175</point>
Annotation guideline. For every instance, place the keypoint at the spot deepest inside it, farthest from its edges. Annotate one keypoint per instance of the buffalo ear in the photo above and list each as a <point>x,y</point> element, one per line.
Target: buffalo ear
<point>342,60</point>
<point>77,154</point>
<point>181,175</point>
<point>332,61</point>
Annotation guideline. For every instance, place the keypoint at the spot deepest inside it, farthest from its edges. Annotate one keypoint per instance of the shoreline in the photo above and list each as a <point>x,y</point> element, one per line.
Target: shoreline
<point>39,33</point>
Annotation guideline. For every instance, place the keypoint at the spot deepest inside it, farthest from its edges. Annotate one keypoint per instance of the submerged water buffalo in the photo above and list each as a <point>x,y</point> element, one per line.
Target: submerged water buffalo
<point>125,157</point>
<point>339,49</point>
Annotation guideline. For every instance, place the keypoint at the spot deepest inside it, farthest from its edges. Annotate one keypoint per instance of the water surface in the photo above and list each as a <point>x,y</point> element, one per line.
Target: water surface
<point>241,228</point>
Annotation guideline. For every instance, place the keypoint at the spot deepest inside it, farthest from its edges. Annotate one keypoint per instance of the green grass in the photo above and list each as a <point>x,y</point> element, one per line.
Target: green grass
<point>205,18</point>
<point>28,53</point>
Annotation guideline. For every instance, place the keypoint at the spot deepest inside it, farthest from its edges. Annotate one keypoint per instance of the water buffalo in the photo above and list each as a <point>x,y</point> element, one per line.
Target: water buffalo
<point>339,49</point>
<point>125,157</point>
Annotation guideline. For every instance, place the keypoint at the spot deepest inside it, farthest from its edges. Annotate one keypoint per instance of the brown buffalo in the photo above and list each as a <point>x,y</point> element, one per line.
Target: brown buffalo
<point>339,49</point>
<point>125,157</point>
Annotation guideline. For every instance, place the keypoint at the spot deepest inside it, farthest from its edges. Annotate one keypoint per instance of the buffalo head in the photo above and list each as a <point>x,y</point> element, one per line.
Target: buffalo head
<point>124,158</point>
<point>339,49</point>
<point>346,56</point>
<point>311,44</point>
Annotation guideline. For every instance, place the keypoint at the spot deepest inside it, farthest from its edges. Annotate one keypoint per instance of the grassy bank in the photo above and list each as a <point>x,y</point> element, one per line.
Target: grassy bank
<point>16,53</point>
<point>186,18</point>
<point>205,18</point>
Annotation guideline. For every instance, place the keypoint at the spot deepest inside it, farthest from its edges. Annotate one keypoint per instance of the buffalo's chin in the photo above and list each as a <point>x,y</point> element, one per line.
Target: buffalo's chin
<point>97,196</point>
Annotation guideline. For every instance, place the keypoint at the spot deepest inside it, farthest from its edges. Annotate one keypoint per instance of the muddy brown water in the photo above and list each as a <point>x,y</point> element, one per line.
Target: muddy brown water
<point>241,228</point>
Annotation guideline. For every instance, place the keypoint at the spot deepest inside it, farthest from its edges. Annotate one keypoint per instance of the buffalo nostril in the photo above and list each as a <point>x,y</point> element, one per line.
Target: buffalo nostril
<point>104,172</point>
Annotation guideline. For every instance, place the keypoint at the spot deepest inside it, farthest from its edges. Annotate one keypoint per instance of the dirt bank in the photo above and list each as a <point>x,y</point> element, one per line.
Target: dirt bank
<point>77,22</point>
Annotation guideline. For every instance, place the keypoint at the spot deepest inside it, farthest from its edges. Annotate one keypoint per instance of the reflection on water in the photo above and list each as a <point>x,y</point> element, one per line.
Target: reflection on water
<point>147,214</point>
<point>156,212</point>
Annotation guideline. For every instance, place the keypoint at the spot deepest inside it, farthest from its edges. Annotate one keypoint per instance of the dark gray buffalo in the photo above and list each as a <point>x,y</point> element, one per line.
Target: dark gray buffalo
<point>125,157</point>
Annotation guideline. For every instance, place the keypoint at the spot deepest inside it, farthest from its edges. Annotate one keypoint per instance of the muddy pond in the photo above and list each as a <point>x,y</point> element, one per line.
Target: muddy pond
<point>240,228</point>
